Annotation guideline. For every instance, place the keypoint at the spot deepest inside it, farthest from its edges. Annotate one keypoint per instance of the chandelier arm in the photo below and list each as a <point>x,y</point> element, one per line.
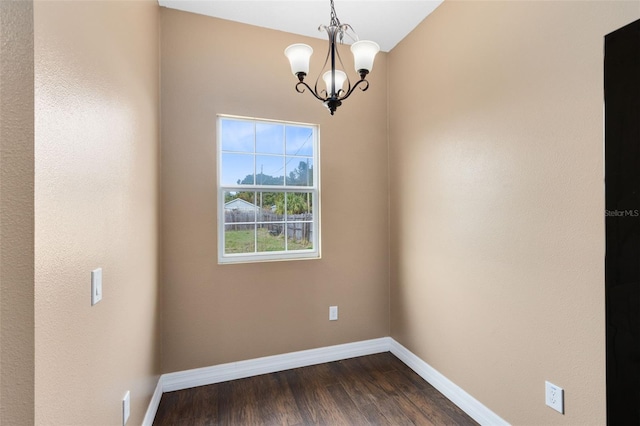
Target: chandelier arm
<point>326,60</point>
<point>343,67</point>
<point>313,92</point>
<point>317,93</point>
<point>351,90</point>
<point>351,34</point>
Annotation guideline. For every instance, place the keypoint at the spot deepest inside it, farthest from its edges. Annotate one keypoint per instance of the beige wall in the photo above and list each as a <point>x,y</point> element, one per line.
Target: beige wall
<point>214,313</point>
<point>16,213</point>
<point>96,155</point>
<point>497,201</point>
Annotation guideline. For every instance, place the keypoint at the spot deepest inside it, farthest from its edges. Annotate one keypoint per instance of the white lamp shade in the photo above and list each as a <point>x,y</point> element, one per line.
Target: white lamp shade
<point>299,55</point>
<point>341,77</point>
<point>364,52</point>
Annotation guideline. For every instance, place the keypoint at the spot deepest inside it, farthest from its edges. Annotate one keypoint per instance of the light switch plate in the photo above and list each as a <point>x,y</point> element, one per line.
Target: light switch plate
<point>126,407</point>
<point>96,286</point>
<point>333,313</point>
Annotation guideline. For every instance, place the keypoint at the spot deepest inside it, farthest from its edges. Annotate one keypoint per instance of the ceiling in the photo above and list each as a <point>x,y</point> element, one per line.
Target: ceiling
<point>383,21</point>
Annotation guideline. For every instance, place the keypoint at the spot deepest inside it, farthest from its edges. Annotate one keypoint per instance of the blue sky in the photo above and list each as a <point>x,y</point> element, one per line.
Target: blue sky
<point>277,148</point>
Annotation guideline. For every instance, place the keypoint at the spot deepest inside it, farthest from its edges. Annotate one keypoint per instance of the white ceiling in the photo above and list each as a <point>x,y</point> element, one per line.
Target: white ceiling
<point>383,21</point>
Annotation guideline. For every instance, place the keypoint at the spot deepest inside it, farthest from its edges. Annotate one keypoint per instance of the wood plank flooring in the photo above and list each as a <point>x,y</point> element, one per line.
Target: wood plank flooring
<point>370,390</point>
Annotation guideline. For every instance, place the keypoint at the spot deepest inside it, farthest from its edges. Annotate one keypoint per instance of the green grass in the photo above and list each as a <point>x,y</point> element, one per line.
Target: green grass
<point>243,241</point>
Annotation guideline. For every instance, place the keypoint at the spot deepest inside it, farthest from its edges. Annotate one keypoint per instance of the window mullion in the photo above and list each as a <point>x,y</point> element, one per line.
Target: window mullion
<point>284,222</point>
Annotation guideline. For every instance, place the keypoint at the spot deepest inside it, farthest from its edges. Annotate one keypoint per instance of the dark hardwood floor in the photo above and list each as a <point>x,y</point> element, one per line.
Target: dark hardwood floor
<point>370,390</point>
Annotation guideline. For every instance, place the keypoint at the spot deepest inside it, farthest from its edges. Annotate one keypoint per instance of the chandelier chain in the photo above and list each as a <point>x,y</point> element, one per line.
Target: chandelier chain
<point>334,17</point>
<point>335,23</point>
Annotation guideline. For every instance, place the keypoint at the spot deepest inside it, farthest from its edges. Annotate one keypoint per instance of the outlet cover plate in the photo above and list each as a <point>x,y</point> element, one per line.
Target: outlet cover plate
<point>126,407</point>
<point>96,286</point>
<point>554,397</point>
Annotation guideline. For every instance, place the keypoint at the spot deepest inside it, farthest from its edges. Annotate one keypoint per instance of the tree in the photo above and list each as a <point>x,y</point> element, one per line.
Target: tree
<point>262,179</point>
<point>248,196</point>
<point>302,175</point>
<point>297,203</point>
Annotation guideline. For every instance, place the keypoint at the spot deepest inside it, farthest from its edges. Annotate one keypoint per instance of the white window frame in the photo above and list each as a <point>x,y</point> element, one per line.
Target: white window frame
<point>313,253</point>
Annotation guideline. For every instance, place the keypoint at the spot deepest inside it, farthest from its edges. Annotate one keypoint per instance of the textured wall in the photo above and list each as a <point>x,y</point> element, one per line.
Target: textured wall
<point>497,202</point>
<point>96,149</point>
<point>16,213</point>
<point>214,313</point>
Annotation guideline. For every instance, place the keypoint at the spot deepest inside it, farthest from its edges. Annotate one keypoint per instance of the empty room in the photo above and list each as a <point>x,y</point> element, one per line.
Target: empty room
<point>184,205</point>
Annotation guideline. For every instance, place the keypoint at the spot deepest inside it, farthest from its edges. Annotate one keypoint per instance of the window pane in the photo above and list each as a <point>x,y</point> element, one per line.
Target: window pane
<point>299,235</point>
<point>270,206</point>
<point>237,169</point>
<point>237,135</point>
<point>299,206</point>
<point>269,170</point>
<point>239,239</point>
<point>299,171</point>
<point>239,207</point>
<point>271,238</point>
<point>269,138</point>
<point>299,140</point>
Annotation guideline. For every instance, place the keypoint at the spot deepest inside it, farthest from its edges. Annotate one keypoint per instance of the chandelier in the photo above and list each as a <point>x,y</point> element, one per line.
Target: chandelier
<point>364,52</point>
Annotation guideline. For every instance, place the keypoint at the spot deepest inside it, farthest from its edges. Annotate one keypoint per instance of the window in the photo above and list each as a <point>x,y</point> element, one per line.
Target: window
<point>268,197</point>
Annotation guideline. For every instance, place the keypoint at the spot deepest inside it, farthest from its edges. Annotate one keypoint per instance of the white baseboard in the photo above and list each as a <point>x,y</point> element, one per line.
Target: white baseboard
<point>474,408</point>
<point>153,405</point>
<point>271,364</point>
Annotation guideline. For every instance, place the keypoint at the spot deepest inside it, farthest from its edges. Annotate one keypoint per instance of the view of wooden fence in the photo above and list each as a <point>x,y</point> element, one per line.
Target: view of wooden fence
<point>299,227</point>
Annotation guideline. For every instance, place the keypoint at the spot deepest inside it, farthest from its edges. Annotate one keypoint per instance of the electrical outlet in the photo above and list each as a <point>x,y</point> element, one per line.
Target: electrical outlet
<point>333,313</point>
<point>554,397</point>
<point>96,286</point>
<point>126,408</point>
